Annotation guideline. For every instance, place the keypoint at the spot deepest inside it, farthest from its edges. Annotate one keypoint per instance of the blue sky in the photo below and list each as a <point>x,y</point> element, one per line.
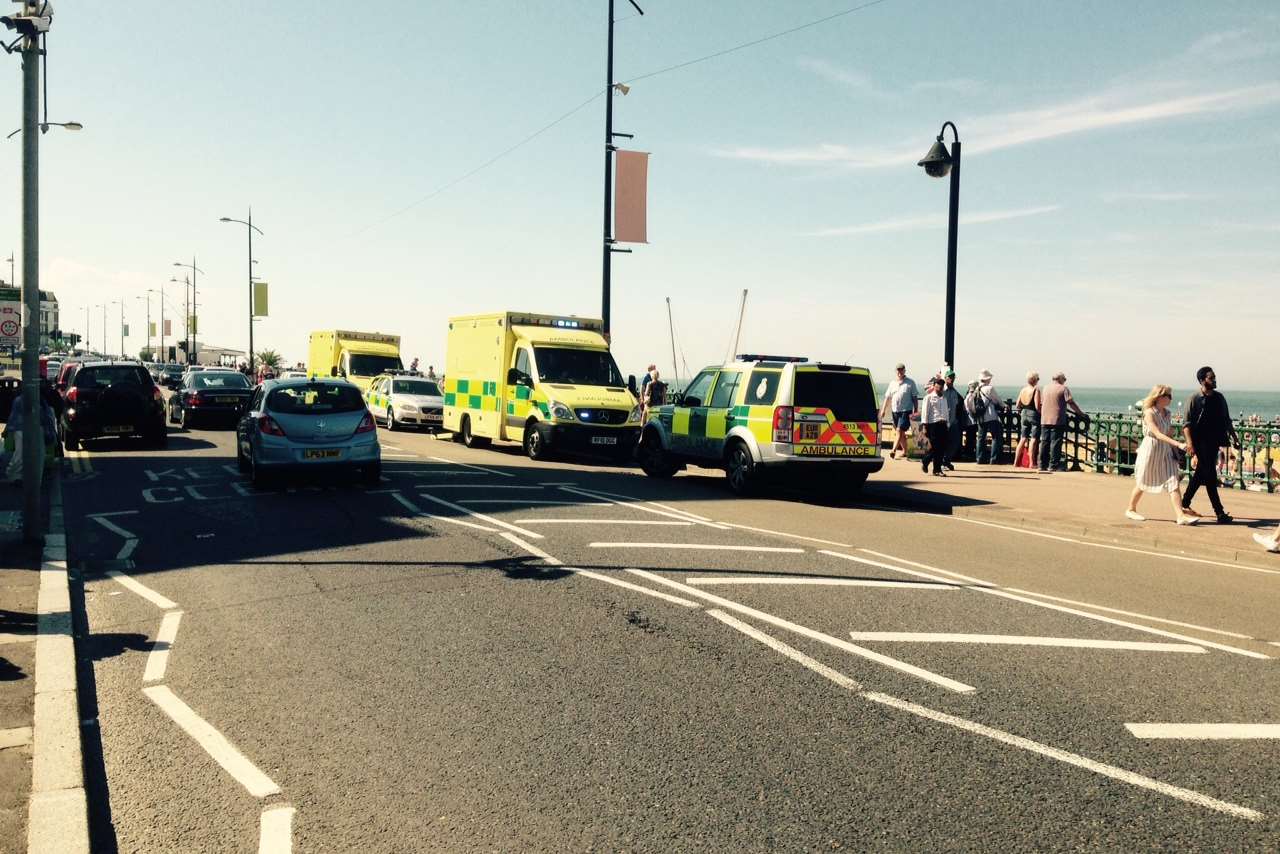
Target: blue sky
<point>1118,193</point>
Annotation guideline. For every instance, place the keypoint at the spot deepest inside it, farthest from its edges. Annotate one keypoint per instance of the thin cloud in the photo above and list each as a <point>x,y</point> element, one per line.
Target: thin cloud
<point>1112,198</point>
<point>855,81</point>
<point>916,223</point>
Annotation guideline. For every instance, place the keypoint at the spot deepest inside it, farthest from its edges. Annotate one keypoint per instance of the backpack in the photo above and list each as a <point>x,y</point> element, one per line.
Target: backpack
<point>655,393</point>
<point>971,404</point>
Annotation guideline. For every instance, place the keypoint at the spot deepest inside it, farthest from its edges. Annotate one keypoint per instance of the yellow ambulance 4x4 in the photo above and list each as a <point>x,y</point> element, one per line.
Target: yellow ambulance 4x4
<point>769,415</point>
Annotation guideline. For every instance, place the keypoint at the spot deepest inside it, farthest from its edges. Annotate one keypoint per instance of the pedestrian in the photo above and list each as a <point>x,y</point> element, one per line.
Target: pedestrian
<point>1156,469</point>
<point>653,394</point>
<point>988,408</point>
<point>1054,402</point>
<point>13,431</point>
<point>957,418</point>
<point>431,373</point>
<point>1208,427</point>
<point>1028,419</point>
<point>900,398</point>
<point>1270,543</point>
<point>936,424</point>
<point>648,378</point>
<point>413,366</point>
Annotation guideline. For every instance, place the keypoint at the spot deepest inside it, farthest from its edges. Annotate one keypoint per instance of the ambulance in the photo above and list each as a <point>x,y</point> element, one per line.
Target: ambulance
<point>766,417</point>
<point>546,381</point>
<point>358,356</point>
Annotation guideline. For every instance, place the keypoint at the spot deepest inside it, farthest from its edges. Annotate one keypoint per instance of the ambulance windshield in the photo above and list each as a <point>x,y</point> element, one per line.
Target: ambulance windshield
<point>576,367</point>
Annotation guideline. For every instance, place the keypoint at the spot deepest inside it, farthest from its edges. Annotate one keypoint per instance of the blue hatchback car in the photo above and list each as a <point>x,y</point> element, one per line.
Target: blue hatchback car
<point>301,424</point>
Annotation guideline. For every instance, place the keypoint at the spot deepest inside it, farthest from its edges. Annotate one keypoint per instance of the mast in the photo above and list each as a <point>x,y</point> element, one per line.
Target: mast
<point>671,330</point>
<point>742,310</point>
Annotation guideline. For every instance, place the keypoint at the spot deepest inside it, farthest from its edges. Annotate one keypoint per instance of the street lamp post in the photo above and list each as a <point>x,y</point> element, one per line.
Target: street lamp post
<point>121,304</point>
<point>191,306</point>
<point>84,345</point>
<point>610,85</point>
<point>104,329</point>
<point>937,164</point>
<point>251,228</point>
<point>151,354</point>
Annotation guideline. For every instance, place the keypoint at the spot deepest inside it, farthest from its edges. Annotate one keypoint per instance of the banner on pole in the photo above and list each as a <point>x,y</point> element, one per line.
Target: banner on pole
<point>630,197</point>
<point>124,330</point>
<point>191,324</point>
<point>259,299</point>
<point>151,329</point>
<point>168,327</point>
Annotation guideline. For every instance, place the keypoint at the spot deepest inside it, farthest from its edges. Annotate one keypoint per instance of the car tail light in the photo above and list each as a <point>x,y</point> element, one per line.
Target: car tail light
<point>192,399</point>
<point>72,395</point>
<point>366,424</point>
<point>268,425</point>
<point>156,395</point>
<point>782,419</point>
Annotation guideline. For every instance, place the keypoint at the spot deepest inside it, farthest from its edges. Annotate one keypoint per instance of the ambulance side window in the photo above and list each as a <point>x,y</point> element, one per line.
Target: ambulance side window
<point>722,397</point>
<point>762,388</point>
<point>522,363</point>
<point>696,393</point>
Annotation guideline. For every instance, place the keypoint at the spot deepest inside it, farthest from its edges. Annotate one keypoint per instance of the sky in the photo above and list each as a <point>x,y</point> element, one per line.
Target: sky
<point>1117,201</point>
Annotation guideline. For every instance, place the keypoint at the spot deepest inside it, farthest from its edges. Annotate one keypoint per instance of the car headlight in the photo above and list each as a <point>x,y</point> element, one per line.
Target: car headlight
<point>407,407</point>
<point>560,412</point>
<point>634,417</point>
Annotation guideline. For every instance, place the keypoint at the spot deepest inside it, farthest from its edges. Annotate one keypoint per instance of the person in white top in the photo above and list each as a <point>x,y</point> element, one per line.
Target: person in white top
<point>934,415</point>
<point>900,398</point>
<point>988,408</point>
<point>1155,469</point>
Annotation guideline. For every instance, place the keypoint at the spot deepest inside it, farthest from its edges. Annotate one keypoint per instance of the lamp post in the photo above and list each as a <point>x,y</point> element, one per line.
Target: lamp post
<point>84,345</point>
<point>151,354</point>
<point>609,148</point>
<point>191,308</point>
<point>937,164</point>
<point>104,328</point>
<point>121,304</point>
<point>251,228</point>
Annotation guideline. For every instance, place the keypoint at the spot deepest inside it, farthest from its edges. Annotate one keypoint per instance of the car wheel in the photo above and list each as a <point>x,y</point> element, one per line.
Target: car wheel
<point>471,440</point>
<point>856,481</point>
<point>241,463</point>
<point>741,470</point>
<point>391,420</point>
<point>260,478</point>
<point>372,475</point>
<point>69,441</point>
<point>535,445</point>
<point>161,438</point>
<point>654,459</point>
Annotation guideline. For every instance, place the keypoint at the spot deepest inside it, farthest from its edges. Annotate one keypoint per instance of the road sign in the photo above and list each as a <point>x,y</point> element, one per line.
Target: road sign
<point>10,326</point>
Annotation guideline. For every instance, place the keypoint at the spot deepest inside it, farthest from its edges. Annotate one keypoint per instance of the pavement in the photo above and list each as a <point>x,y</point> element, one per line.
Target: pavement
<point>484,653</point>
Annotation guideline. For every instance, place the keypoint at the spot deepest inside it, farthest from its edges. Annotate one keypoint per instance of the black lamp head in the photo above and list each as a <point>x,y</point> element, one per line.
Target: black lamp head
<point>937,163</point>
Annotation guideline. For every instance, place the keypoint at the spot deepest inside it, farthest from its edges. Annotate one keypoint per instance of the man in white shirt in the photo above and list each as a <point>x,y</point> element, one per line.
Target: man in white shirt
<point>989,408</point>
<point>900,398</point>
<point>935,418</point>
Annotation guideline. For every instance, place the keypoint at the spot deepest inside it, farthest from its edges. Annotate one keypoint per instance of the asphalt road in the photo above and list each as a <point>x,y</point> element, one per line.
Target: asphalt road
<point>485,653</point>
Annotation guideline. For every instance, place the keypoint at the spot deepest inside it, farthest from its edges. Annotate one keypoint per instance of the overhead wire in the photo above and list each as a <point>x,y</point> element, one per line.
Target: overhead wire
<point>540,131</point>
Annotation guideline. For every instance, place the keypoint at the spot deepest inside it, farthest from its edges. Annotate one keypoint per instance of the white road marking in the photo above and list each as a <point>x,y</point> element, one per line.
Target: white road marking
<point>517,500</point>
<point>214,743</point>
<point>790,652</point>
<point>158,658</point>
<point>142,590</point>
<point>600,522</point>
<point>1166,555</point>
<point>995,591</point>
<point>878,564</point>
<point>1205,731</point>
<point>557,483</point>
<point>531,549</point>
<point>418,472</point>
<point>1131,614</point>
<point>681,512</point>
<point>1073,759</point>
<point>785,534</point>
<point>11,637</point>
<point>113,527</point>
<point>697,547</point>
<point>1024,640</point>
<point>469,466</point>
<point>15,737</point>
<point>968,578</point>
<point>492,521</point>
<point>275,833</point>
<point>637,504</point>
<point>400,456</point>
<point>420,512</point>
<point>838,643</point>
<point>821,582</point>
<point>471,486</point>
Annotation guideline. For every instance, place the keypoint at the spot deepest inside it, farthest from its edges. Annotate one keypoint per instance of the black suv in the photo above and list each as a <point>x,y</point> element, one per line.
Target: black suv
<point>113,399</point>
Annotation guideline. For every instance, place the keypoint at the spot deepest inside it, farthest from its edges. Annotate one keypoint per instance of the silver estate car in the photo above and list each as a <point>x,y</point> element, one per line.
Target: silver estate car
<point>304,424</point>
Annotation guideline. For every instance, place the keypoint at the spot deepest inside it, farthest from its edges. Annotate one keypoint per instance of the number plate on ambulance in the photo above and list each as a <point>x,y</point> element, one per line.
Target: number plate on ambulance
<point>810,432</point>
<point>835,450</point>
<point>604,440</point>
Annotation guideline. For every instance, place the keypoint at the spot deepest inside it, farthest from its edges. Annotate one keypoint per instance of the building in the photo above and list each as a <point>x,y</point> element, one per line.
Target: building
<point>208,354</point>
<point>50,322</point>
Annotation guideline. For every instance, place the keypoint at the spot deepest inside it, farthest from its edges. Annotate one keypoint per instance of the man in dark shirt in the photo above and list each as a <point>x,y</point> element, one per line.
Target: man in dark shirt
<point>1208,428</point>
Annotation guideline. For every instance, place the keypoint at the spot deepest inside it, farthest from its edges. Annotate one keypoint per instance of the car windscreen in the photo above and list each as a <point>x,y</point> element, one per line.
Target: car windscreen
<point>848,396</point>
<point>371,366</point>
<point>576,367</point>
<point>219,380</point>
<point>315,399</point>
<point>415,387</point>
<point>101,376</point>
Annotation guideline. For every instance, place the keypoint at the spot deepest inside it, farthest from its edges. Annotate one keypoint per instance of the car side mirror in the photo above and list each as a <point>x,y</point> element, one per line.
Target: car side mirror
<point>688,401</point>
<point>631,385</point>
<point>514,376</point>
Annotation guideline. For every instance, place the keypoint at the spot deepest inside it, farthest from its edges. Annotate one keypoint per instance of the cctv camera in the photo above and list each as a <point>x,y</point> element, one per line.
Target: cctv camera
<point>937,169</point>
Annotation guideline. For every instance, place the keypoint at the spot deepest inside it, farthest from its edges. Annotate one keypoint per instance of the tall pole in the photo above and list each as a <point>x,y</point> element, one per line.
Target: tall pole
<point>191,348</point>
<point>671,330</point>
<point>250,230</point>
<point>104,328</point>
<point>186,327</point>
<point>32,429</point>
<point>608,178</point>
<point>150,352</point>
<point>949,346</point>
<point>121,303</point>
<point>84,345</point>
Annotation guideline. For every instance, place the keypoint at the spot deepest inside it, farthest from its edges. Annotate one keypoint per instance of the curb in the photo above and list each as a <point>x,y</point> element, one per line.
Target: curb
<point>58,813</point>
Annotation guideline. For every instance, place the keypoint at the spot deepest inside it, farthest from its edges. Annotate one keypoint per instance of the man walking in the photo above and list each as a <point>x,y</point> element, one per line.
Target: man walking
<point>900,398</point>
<point>989,407</point>
<point>934,416</point>
<point>1054,401</point>
<point>957,418</point>
<point>1208,428</point>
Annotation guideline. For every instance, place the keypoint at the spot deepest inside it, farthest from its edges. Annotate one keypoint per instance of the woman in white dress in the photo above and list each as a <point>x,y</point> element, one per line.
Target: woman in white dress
<point>1155,469</point>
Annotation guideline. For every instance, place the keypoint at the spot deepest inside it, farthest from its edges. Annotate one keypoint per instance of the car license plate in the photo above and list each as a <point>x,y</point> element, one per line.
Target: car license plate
<point>227,399</point>
<point>117,428</point>
<point>835,450</point>
<point>604,440</point>
<point>321,453</point>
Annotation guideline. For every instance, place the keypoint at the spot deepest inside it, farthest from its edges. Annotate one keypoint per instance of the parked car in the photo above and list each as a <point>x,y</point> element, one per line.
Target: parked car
<point>307,425</point>
<point>406,401</point>
<point>112,399</point>
<point>208,396</point>
<point>66,376</point>
<point>171,375</point>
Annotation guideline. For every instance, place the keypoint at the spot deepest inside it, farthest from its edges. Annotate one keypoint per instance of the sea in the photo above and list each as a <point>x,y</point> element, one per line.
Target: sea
<point>1243,404</point>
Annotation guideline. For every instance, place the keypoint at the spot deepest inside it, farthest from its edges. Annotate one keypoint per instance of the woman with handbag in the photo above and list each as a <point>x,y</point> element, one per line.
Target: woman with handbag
<point>1156,468</point>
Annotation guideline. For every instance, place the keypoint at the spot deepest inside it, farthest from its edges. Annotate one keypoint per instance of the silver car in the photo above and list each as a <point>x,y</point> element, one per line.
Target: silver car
<point>402,400</point>
<point>299,425</point>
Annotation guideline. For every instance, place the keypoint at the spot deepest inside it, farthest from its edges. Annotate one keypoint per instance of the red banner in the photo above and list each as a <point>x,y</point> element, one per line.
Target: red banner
<point>630,197</point>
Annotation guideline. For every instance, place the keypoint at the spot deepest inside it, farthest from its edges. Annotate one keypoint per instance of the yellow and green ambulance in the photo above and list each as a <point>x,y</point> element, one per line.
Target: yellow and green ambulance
<point>546,381</point>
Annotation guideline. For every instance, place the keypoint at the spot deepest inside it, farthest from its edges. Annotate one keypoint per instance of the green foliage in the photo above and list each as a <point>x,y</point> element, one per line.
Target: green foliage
<point>269,358</point>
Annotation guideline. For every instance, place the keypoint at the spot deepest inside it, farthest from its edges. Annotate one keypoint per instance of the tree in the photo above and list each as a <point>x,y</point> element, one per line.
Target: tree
<point>269,358</point>
<point>147,354</point>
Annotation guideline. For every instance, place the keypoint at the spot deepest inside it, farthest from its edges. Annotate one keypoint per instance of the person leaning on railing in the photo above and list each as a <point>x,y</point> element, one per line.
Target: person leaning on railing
<point>1053,403</point>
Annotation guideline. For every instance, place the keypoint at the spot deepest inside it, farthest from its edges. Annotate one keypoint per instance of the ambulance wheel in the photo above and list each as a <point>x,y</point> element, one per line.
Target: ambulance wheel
<point>471,440</point>
<point>535,444</point>
<point>654,459</point>
<point>391,420</point>
<point>741,470</point>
